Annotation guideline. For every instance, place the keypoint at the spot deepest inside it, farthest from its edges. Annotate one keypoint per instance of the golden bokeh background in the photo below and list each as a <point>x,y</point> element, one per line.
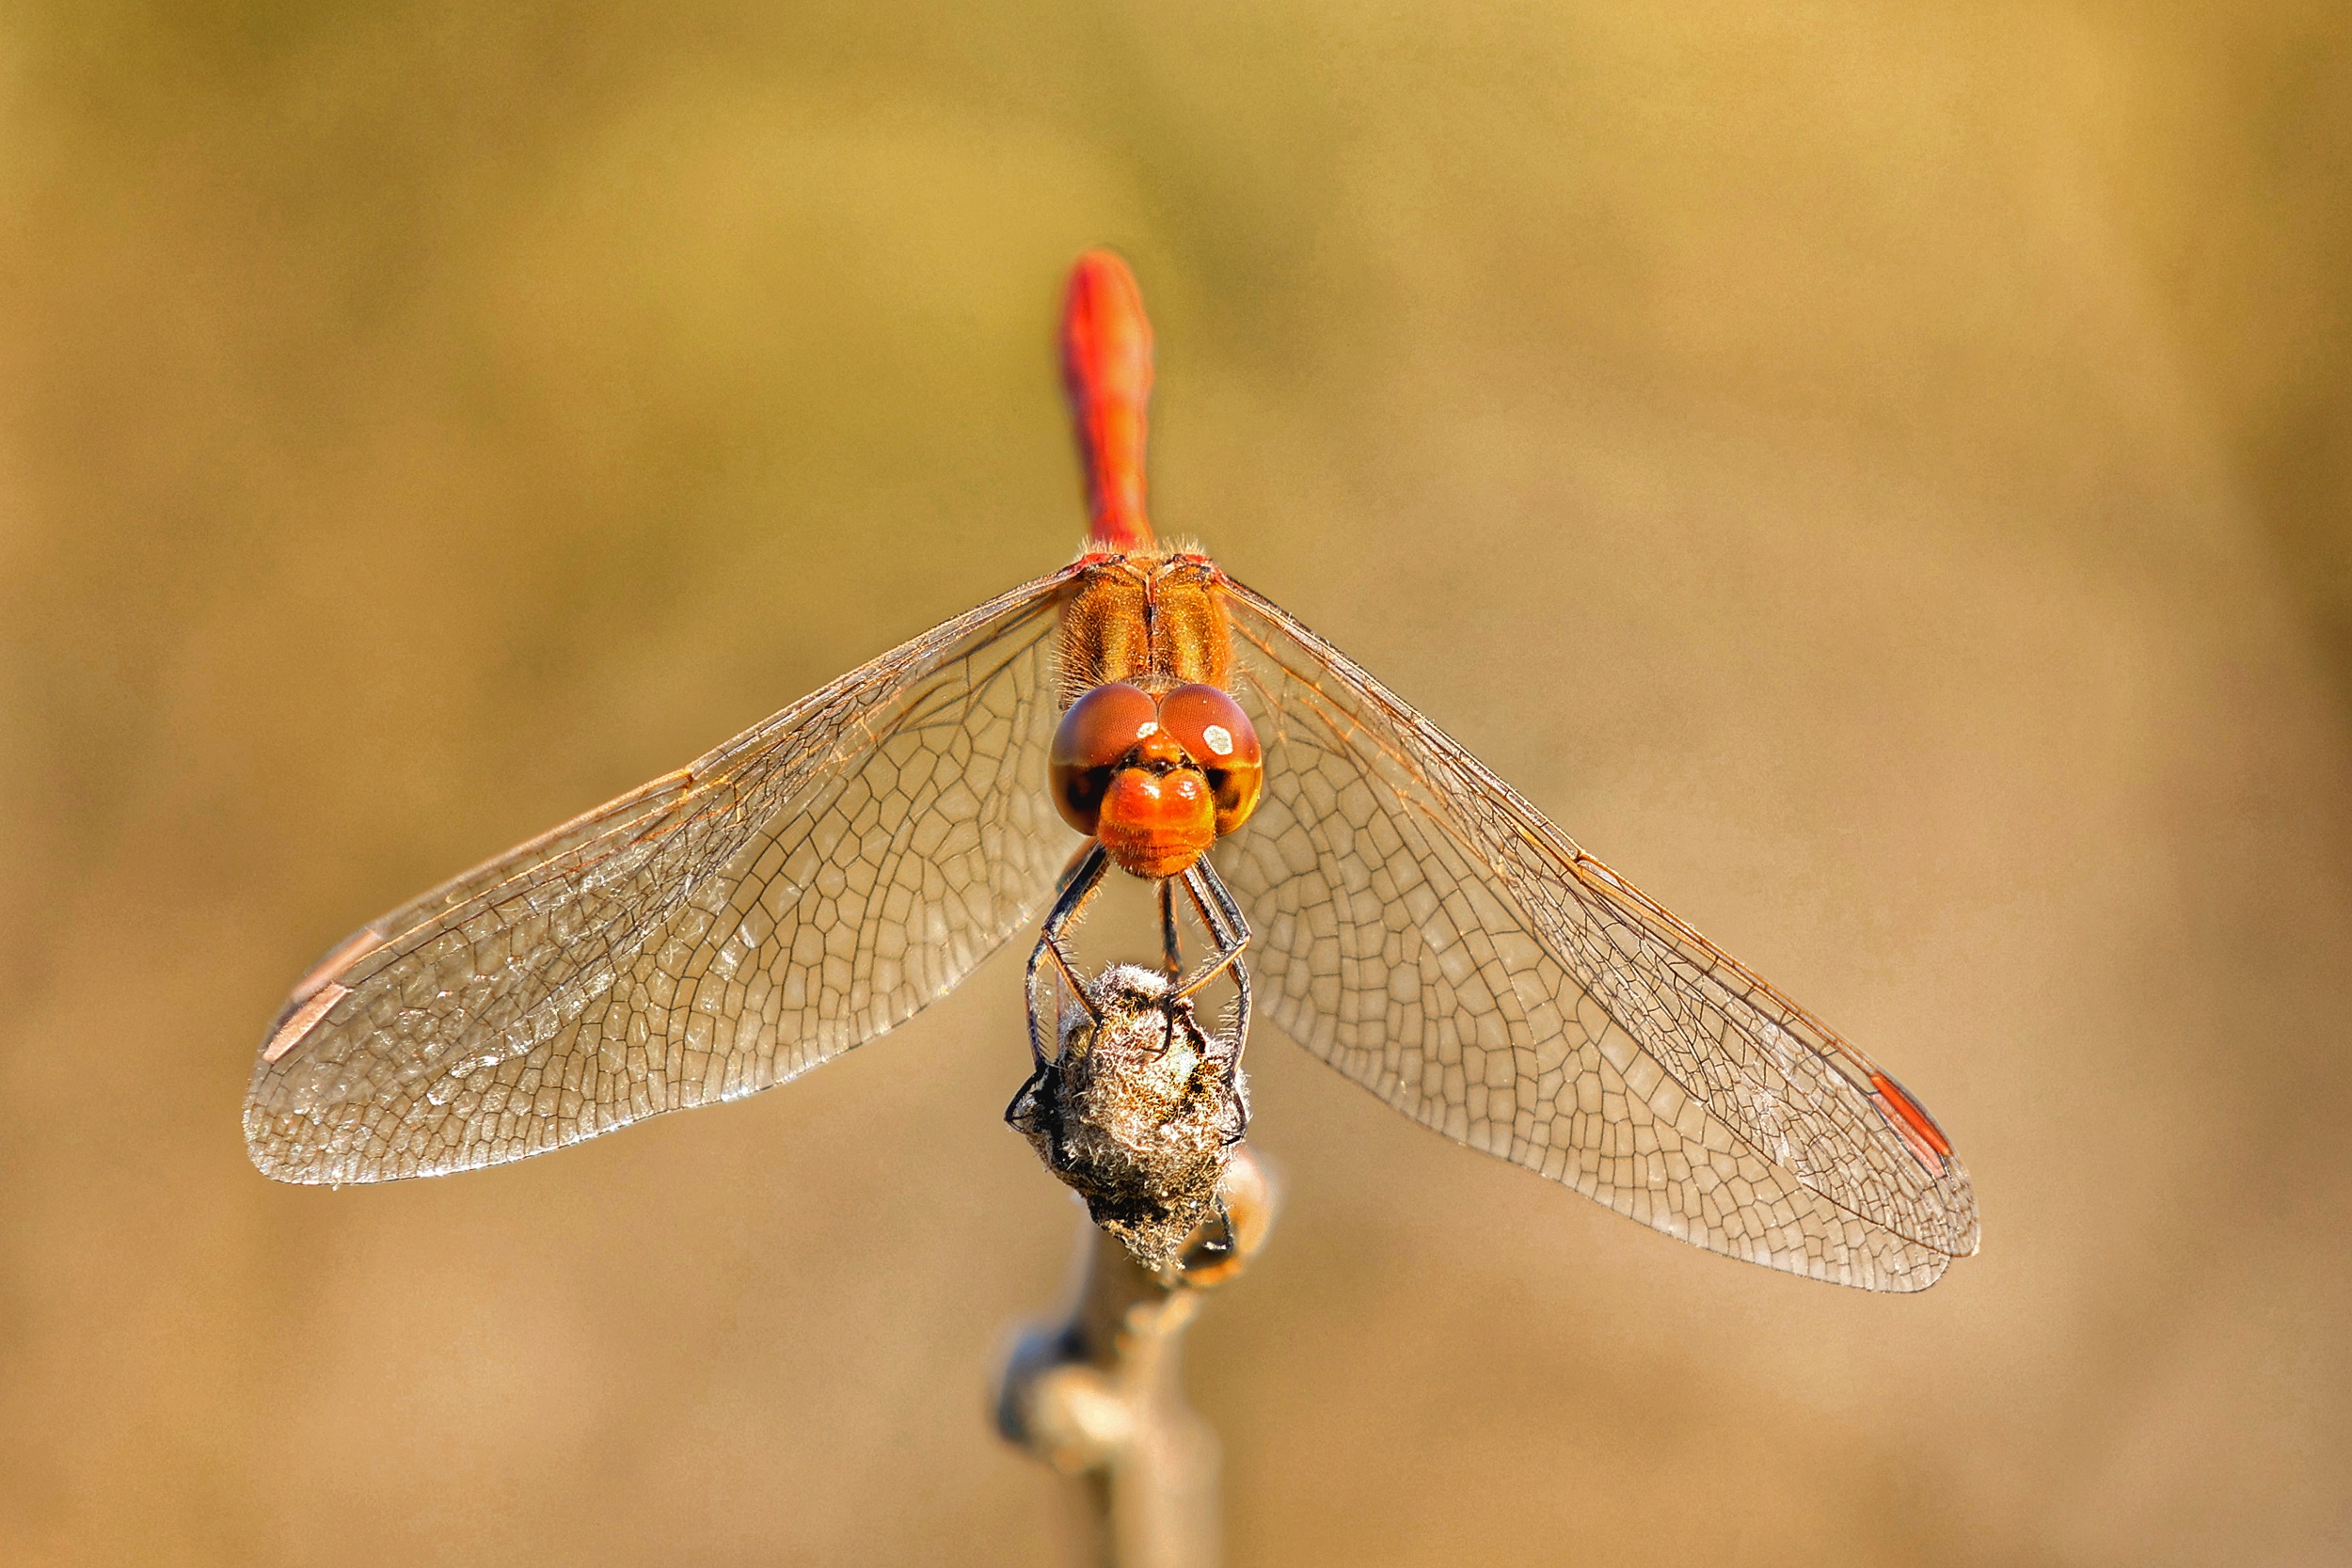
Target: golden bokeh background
<point>1880,475</point>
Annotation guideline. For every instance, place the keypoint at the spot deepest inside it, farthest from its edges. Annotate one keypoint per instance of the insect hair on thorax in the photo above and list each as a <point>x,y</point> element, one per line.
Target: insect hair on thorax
<point>1155,618</point>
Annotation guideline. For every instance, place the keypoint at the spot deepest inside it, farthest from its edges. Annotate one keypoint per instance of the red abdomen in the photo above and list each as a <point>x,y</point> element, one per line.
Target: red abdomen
<point>1106,370</point>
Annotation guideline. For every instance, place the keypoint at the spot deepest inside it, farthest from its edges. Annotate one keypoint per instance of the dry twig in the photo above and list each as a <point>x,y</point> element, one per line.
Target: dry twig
<point>1100,1396</point>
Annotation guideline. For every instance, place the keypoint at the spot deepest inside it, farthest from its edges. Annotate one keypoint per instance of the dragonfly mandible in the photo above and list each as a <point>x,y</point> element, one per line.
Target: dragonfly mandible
<point>818,879</point>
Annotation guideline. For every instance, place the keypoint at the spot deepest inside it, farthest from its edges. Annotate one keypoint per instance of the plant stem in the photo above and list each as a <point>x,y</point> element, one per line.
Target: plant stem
<point>1100,1396</point>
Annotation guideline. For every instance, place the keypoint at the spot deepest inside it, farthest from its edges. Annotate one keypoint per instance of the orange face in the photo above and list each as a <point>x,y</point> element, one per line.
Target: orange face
<point>1155,779</point>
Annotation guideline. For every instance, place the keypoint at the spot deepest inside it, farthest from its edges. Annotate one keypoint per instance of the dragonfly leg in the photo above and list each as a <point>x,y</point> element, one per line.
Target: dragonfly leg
<point>1230,930</point>
<point>1241,1041</point>
<point>1228,933</point>
<point>1079,885</point>
<point>1079,880</point>
<point>1076,863</point>
<point>1171,955</point>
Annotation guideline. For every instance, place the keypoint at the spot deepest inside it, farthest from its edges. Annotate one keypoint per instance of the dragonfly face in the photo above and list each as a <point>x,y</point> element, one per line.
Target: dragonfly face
<point>1156,779</point>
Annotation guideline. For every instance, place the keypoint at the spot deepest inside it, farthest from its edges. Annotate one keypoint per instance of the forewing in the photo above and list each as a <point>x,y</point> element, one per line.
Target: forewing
<point>1424,929</point>
<point>802,888</point>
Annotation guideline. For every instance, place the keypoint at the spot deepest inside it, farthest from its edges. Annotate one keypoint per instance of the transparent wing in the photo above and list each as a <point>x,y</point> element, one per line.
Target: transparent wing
<point>1424,929</point>
<point>803,888</point>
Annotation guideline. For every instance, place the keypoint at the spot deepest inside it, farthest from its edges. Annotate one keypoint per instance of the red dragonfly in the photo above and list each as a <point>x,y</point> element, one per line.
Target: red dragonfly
<point>824,875</point>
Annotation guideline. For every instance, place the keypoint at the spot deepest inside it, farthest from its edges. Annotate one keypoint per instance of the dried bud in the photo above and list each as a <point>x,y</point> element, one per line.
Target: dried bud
<point>1141,1112</point>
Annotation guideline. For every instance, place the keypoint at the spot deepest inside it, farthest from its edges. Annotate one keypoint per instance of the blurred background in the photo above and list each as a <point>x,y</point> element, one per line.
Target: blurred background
<point>1880,475</point>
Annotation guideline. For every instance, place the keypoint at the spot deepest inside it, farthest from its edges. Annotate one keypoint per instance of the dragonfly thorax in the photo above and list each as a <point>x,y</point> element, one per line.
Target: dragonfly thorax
<point>1156,620</point>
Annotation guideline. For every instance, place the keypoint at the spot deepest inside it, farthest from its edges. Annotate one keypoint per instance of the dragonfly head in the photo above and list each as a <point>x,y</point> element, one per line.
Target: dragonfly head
<point>1156,779</point>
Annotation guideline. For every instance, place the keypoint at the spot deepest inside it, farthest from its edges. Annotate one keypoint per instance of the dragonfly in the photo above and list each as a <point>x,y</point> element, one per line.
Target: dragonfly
<point>816,880</point>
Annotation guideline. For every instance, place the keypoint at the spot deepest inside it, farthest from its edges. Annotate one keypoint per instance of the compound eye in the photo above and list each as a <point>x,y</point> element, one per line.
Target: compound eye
<point>1218,736</point>
<point>1100,729</point>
